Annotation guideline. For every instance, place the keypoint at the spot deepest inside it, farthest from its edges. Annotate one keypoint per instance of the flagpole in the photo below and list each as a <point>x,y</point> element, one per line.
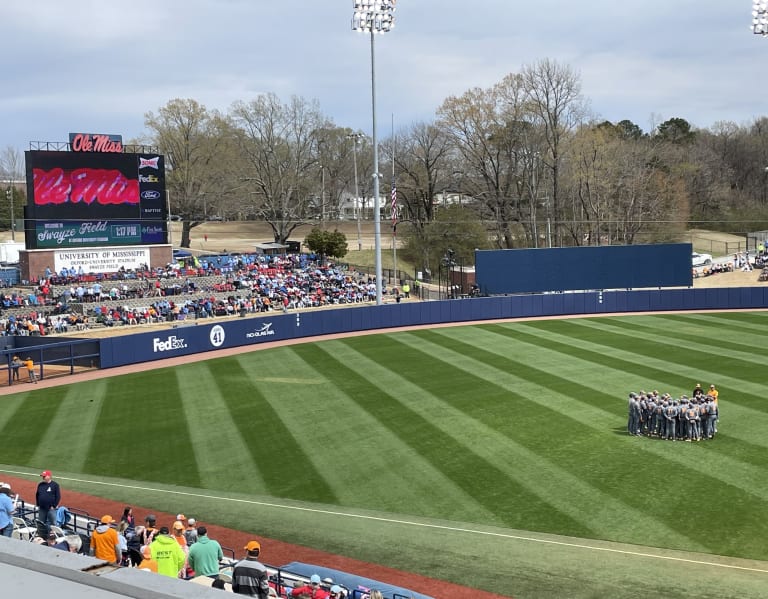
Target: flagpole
<point>394,205</point>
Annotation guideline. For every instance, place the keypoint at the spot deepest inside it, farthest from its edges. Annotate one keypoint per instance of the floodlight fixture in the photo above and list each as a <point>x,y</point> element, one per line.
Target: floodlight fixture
<point>760,17</point>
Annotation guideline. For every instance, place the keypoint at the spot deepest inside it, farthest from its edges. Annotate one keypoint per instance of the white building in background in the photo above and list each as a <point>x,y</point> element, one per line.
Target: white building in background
<point>350,207</point>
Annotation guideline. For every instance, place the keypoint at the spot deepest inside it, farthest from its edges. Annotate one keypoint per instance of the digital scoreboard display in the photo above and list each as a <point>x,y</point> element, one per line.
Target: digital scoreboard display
<point>86,199</point>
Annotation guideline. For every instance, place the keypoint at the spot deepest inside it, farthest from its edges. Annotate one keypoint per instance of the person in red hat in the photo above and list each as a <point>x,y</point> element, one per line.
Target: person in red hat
<point>47,498</point>
<point>105,542</point>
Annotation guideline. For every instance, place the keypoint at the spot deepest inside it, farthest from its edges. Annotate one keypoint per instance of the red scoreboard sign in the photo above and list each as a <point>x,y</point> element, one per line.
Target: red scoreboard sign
<point>95,142</point>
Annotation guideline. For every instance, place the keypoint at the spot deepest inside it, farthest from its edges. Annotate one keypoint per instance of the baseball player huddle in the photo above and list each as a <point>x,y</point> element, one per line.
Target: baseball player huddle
<point>685,419</point>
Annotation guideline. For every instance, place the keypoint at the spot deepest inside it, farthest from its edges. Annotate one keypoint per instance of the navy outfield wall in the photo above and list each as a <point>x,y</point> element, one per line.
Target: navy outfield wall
<point>207,335</point>
<point>535,270</point>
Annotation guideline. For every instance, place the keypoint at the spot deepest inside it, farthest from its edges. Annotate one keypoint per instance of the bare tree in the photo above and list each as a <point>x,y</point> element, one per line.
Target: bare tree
<point>12,174</point>
<point>279,143</point>
<point>554,94</point>
<point>195,144</point>
<point>499,152</point>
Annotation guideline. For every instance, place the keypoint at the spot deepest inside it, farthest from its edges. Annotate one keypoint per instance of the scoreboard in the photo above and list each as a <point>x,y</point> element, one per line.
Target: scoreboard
<point>82,198</point>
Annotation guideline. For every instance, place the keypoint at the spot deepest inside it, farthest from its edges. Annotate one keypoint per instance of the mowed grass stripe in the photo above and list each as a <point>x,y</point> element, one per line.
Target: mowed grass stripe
<point>359,458</point>
<point>731,323</point>
<point>739,346</point>
<point>25,429</point>
<point>647,460</point>
<point>141,415</point>
<point>286,469</point>
<point>485,483</point>
<point>490,431</point>
<point>704,356</point>
<point>11,404</point>
<point>216,458</point>
<point>697,326</point>
<point>669,357</point>
<point>78,411</point>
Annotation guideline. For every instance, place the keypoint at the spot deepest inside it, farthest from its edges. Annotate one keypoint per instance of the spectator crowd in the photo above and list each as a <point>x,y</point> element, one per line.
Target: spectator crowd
<point>234,285</point>
<point>181,549</point>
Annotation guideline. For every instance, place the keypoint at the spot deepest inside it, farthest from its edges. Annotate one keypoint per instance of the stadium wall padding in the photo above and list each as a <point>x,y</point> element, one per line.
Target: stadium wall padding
<point>191,337</point>
<point>589,267</point>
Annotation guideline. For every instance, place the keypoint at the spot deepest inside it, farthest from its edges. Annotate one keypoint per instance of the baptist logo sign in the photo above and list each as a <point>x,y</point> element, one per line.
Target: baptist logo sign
<point>264,331</point>
<point>171,343</point>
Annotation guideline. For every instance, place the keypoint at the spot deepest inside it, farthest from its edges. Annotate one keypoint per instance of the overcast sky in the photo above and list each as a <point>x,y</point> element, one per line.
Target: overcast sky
<point>99,65</point>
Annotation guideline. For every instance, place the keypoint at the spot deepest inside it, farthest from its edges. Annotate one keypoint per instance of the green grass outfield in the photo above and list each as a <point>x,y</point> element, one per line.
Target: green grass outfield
<point>494,456</point>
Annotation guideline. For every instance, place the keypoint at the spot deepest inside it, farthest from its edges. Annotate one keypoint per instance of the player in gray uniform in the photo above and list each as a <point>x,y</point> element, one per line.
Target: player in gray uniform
<point>710,408</point>
<point>650,406</point>
<point>691,415</point>
<point>670,415</point>
<point>682,426</point>
<point>633,418</point>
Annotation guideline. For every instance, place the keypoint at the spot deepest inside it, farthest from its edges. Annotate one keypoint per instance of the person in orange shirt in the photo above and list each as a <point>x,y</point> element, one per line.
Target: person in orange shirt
<point>105,542</point>
<point>178,534</point>
<point>30,364</point>
<point>714,394</point>
<point>147,563</point>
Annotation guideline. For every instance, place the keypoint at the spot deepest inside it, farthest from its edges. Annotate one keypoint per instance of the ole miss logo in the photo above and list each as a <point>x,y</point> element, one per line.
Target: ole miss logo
<point>88,142</point>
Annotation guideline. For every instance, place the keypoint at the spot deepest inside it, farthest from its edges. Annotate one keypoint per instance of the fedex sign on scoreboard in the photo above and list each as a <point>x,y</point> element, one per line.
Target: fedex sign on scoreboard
<point>95,195</point>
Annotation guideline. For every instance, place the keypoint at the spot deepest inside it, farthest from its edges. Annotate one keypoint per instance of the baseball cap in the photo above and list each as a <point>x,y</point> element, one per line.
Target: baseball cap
<point>253,546</point>
<point>45,473</point>
<point>151,518</point>
<point>336,589</point>
<point>107,519</point>
<point>314,579</point>
<point>181,517</point>
<point>191,521</point>
<point>146,552</point>
<point>178,525</point>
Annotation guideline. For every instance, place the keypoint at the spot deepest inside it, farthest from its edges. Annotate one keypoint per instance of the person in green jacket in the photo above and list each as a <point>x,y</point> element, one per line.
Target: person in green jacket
<point>167,553</point>
<point>204,555</point>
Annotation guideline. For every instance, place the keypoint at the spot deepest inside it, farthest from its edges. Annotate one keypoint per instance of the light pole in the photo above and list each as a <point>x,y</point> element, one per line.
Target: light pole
<point>355,137</point>
<point>168,212</point>
<point>9,195</point>
<point>322,195</point>
<point>760,17</point>
<point>374,16</point>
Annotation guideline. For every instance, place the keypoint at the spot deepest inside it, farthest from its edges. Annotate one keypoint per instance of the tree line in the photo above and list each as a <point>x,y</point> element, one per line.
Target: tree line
<point>522,163</point>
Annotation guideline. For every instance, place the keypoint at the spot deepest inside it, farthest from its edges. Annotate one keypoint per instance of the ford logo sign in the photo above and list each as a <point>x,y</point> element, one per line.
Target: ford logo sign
<point>150,195</point>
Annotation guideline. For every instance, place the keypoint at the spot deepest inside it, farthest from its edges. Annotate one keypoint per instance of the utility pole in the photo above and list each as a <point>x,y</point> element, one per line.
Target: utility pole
<point>355,137</point>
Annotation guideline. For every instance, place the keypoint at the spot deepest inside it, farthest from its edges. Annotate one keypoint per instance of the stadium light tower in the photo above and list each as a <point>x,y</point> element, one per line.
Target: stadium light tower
<point>760,17</point>
<point>374,16</point>
<point>355,137</point>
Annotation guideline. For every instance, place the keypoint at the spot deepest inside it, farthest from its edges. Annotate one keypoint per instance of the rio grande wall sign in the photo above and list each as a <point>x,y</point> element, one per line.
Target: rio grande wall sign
<point>100,260</point>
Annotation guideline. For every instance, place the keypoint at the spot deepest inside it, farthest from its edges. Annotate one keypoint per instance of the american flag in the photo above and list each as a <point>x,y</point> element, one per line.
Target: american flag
<point>394,206</point>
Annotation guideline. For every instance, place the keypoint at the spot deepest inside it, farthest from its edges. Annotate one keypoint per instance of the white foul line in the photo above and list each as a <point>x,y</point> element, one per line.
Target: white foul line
<point>408,523</point>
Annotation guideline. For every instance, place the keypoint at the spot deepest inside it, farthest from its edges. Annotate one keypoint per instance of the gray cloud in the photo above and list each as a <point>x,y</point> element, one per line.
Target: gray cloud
<point>100,66</point>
